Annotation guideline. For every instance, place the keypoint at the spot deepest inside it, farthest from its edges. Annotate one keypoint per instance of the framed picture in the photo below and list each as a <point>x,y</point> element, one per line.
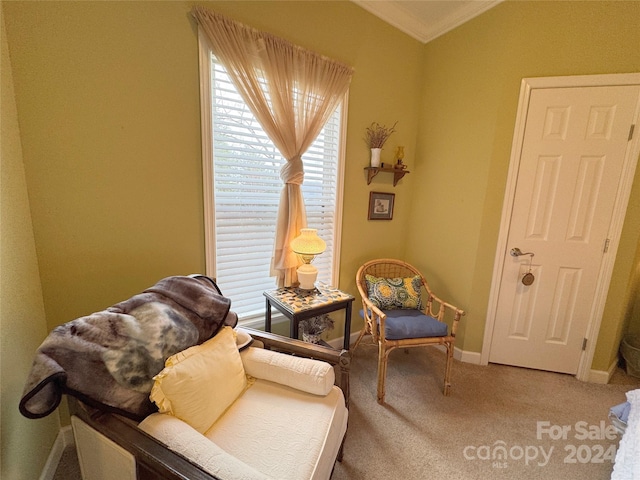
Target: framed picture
<point>381,205</point>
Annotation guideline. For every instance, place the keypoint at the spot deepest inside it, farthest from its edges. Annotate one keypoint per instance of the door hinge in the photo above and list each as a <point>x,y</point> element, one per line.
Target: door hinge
<point>606,245</point>
<point>631,130</point>
<point>584,344</point>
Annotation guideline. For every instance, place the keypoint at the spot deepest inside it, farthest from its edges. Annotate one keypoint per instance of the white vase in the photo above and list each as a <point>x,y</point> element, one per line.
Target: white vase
<point>375,157</point>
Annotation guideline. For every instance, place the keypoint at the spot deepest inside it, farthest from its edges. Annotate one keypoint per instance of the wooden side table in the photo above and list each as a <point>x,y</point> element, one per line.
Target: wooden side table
<point>297,304</point>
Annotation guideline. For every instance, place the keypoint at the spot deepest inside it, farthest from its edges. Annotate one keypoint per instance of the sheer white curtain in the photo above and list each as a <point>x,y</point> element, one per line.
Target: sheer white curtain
<point>292,92</point>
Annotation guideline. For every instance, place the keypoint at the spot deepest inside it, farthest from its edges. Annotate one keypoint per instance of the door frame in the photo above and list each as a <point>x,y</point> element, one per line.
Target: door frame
<point>617,220</point>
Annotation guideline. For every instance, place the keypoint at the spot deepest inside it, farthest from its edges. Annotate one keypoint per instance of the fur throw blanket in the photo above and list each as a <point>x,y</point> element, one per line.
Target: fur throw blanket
<point>108,359</point>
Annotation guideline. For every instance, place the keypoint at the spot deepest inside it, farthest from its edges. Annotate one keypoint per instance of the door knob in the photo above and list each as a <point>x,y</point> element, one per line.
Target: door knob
<point>516,252</point>
<point>528,277</point>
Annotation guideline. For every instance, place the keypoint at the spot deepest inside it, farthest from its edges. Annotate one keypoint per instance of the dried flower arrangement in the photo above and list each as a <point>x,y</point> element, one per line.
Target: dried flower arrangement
<point>316,325</point>
<point>376,135</point>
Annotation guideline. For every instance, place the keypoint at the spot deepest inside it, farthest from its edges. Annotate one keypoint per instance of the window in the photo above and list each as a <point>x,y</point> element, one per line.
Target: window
<point>242,192</point>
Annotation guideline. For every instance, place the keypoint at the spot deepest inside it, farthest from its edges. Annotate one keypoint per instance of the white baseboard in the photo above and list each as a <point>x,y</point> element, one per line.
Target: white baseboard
<point>595,376</point>
<point>466,357</point>
<point>64,439</point>
<point>338,342</point>
<point>68,438</point>
<point>601,376</point>
<point>461,355</point>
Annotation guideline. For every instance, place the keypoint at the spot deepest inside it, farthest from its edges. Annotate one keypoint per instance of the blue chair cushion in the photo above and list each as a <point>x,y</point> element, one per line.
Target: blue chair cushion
<point>401,324</point>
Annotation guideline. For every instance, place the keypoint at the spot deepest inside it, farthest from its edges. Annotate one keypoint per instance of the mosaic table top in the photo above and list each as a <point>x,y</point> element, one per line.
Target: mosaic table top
<point>297,300</point>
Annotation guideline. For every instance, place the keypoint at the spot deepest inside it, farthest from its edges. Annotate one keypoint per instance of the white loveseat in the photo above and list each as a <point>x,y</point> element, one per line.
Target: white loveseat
<point>288,421</point>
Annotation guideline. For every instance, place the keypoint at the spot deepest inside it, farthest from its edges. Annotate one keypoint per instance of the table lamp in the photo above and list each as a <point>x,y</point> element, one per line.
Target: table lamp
<point>308,244</point>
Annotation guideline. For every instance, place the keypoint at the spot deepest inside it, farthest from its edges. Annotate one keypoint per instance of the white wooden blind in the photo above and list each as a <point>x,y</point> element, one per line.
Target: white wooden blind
<point>247,186</point>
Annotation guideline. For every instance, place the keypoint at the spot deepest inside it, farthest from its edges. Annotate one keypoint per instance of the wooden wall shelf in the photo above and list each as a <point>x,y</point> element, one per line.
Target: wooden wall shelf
<point>397,173</point>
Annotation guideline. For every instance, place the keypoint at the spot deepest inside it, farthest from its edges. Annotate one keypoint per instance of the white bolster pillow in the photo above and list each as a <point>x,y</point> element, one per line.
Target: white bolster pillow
<point>180,437</point>
<point>311,376</point>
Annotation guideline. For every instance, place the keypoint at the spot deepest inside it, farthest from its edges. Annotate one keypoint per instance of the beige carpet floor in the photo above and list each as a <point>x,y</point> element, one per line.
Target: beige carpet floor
<point>421,434</point>
<point>68,467</point>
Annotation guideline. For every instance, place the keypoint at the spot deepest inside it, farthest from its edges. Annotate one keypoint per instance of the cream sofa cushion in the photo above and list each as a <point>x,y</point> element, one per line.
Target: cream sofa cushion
<point>305,374</point>
<point>284,433</point>
<point>180,437</point>
<point>198,384</point>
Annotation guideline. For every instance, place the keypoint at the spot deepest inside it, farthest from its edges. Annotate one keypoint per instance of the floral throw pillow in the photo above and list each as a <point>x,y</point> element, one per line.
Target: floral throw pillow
<point>394,293</point>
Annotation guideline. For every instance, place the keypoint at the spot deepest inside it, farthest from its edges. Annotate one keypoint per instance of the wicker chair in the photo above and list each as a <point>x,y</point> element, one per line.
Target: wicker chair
<point>385,330</point>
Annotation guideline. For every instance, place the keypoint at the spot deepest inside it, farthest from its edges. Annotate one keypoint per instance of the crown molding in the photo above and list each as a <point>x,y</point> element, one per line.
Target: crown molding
<point>424,30</point>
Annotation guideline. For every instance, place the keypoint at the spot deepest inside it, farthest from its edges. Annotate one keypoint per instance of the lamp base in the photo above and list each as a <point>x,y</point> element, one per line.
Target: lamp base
<point>307,275</point>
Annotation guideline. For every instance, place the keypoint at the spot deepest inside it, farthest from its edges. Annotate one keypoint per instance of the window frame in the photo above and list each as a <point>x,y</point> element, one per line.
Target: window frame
<point>206,123</point>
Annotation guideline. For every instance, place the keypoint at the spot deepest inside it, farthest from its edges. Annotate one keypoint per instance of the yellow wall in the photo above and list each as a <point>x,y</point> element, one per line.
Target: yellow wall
<point>632,313</point>
<point>470,94</point>
<point>25,444</point>
<point>108,96</point>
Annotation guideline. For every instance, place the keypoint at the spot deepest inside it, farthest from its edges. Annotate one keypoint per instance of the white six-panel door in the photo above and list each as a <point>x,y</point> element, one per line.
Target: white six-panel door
<point>572,157</point>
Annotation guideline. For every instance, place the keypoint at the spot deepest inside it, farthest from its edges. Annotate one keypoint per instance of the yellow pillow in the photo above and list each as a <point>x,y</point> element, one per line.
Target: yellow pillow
<point>198,384</point>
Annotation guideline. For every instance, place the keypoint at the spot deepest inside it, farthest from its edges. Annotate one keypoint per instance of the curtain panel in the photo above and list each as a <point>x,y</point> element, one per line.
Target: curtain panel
<point>292,92</point>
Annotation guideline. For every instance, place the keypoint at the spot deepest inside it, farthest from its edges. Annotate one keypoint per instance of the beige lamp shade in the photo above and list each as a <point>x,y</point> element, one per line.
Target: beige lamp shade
<point>308,244</point>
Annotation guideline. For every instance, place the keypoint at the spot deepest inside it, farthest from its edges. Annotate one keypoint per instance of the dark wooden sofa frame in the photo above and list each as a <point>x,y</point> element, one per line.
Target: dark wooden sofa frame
<point>153,459</point>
